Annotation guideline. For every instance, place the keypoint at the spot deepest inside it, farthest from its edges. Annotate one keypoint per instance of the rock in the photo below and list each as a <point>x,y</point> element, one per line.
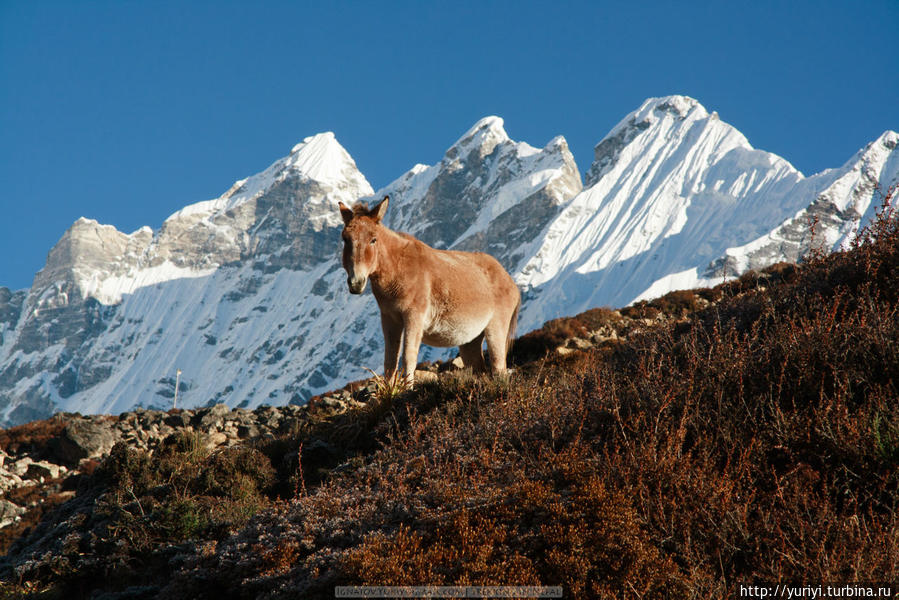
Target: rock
<point>9,513</point>
<point>579,343</point>
<point>20,467</point>
<point>451,365</point>
<point>176,420</point>
<point>44,469</point>
<point>563,350</point>
<point>210,418</point>
<point>214,440</point>
<point>149,418</point>
<point>83,439</point>
<point>9,481</point>
<point>267,416</point>
<point>425,376</point>
<point>3,457</point>
<point>603,334</point>
<point>247,430</point>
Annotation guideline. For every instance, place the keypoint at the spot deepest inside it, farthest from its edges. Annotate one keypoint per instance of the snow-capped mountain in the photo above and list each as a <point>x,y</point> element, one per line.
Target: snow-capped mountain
<point>245,293</point>
<point>677,198</point>
<point>246,296</point>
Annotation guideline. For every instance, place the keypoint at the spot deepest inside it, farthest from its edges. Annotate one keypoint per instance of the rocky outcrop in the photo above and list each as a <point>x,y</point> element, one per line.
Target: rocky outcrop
<point>83,438</point>
<point>35,473</point>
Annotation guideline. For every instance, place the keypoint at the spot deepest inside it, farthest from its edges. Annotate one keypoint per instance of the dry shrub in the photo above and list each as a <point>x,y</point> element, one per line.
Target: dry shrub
<point>31,437</point>
<point>585,538</point>
<point>679,303</point>
<point>538,343</point>
<point>641,310</point>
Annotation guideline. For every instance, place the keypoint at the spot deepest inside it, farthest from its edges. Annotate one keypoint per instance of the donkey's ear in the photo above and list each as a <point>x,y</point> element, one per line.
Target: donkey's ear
<point>345,212</point>
<point>377,213</point>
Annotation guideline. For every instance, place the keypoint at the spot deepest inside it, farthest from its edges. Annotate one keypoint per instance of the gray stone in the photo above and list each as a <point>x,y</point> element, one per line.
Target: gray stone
<point>176,420</point>
<point>211,418</point>
<point>214,440</point>
<point>9,513</point>
<point>83,439</point>
<point>248,430</point>
<point>9,481</point>
<point>579,343</point>
<point>47,470</point>
<point>20,466</point>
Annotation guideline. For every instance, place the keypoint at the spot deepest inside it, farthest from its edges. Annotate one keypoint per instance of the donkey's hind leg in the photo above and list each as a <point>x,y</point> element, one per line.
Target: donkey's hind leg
<point>473,356</point>
<point>497,334</point>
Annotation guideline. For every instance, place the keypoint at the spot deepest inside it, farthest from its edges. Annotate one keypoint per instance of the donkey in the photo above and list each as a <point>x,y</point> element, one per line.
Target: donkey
<point>440,297</point>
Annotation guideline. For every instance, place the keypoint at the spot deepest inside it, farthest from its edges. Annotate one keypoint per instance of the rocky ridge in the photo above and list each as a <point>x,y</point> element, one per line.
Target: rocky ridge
<point>41,462</point>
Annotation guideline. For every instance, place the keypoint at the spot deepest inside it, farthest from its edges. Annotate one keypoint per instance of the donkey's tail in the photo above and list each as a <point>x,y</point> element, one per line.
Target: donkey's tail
<point>513,324</point>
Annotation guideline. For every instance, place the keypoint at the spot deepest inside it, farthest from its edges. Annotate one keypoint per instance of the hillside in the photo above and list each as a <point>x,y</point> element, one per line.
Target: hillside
<point>675,448</point>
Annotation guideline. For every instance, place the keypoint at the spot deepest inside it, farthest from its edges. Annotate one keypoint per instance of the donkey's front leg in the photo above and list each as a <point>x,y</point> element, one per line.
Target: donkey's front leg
<point>412,332</point>
<point>393,334</point>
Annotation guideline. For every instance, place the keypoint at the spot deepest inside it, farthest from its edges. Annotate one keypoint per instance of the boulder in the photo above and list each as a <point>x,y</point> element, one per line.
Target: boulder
<point>9,481</point>
<point>579,343</point>
<point>216,439</point>
<point>83,439</point>
<point>247,430</point>
<point>211,418</point>
<point>20,466</point>
<point>44,469</point>
<point>9,513</point>
<point>181,419</point>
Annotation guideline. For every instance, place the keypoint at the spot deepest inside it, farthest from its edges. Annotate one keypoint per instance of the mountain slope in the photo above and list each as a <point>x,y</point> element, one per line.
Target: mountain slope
<point>672,187</point>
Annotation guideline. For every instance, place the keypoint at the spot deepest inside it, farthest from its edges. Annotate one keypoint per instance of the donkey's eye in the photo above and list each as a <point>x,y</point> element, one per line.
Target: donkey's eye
<point>373,240</point>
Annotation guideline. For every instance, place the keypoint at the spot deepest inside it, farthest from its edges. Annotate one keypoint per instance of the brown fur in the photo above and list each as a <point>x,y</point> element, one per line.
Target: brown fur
<point>440,297</point>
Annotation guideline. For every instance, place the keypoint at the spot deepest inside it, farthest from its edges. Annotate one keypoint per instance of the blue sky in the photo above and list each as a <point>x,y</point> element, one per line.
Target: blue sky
<point>126,111</point>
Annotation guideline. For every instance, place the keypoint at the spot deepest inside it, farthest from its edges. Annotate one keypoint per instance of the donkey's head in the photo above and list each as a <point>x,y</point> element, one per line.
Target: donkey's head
<point>360,239</point>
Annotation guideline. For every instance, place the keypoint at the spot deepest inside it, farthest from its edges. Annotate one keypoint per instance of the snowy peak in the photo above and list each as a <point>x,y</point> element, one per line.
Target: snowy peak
<point>322,158</point>
<point>488,193</point>
<point>838,201</point>
<point>482,138</point>
<point>319,158</point>
<point>77,262</point>
<point>674,108</point>
<point>677,105</point>
<point>671,120</point>
<point>268,213</point>
<point>669,184</point>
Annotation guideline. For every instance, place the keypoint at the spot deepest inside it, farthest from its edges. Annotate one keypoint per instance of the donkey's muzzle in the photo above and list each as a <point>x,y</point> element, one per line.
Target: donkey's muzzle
<point>356,285</point>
